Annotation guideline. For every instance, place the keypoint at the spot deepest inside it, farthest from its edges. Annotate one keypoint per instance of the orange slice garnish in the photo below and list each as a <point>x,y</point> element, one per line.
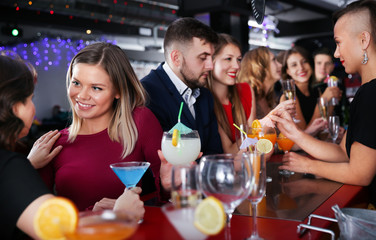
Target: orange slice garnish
<point>256,124</point>
<point>55,217</point>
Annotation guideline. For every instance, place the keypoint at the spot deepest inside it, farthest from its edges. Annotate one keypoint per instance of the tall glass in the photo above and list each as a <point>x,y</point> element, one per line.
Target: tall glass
<point>289,92</point>
<point>259,188</point>
<point>228,177</point>
<point>184,187</point>
<point>185,196</point>
<point>334,127</point>
<point>186,151</point>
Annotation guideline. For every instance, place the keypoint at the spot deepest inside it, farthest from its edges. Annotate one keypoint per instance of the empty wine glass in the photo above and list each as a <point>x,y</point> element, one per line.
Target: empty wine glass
<point>259,188</point>
<point>289,92</point>
<point>228,177</point>
<point>333,127</point>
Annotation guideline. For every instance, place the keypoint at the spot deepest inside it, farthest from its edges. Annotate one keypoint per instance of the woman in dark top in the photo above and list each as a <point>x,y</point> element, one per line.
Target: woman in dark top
<point>354,160</point>
<point>296,66</point>
<point>21,187</point>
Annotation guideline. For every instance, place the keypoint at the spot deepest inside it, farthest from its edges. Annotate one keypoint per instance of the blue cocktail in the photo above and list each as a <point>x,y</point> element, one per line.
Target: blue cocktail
<point>130,173</point>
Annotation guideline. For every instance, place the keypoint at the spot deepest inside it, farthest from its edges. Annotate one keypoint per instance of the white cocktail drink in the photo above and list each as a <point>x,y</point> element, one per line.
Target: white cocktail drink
<point>186,151</point>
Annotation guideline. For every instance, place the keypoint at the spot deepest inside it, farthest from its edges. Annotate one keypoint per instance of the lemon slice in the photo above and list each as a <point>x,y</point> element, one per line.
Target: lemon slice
<point>175,137</point>
<point>264,145</point>
<point>210,216</point>
<point>54,217</point>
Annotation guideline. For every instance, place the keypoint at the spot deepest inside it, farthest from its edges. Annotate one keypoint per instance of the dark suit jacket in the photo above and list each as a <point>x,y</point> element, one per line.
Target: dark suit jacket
<point>164,101</point>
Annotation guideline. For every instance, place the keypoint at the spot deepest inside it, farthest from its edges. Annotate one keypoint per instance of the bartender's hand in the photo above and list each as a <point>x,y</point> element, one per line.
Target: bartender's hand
<point>41,154</point>
<point>130,201</point>
<point>166,171</point>
<point>296,163</point>
<point>285,123</point>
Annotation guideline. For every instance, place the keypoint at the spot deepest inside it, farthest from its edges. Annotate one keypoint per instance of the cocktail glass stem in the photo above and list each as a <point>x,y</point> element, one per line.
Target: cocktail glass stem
<point>254,235</point>
<point>228,226</point>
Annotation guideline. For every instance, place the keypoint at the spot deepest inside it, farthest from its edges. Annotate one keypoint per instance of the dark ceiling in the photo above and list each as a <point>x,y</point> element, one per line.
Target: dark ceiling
<point>125,17</point>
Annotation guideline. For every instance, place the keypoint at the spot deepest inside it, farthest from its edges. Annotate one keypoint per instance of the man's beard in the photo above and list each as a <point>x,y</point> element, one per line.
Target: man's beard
<point>191,81</point>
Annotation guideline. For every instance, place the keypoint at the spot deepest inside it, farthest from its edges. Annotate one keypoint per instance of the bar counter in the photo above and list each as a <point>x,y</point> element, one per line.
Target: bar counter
<point>275,221</point>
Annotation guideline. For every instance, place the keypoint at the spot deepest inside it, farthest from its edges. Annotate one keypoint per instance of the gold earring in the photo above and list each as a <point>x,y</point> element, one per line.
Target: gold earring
<point>365,58</point>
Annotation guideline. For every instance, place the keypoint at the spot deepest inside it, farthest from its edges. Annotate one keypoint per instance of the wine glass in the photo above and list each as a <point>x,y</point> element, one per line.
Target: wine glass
<point>259,188</point>
<point>285,144</point>
<point>186,150</point>
<point>289,92</point>
<point>334,127</point>
<point>130,173</point>
<point>228,177</point>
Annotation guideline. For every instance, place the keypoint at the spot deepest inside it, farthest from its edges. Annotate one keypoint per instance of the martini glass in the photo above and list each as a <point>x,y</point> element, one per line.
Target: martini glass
<point>186,150</point>
<point>130,173</point>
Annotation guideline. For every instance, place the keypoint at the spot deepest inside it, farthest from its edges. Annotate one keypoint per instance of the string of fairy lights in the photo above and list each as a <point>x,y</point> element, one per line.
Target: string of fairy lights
<point>48,52</point>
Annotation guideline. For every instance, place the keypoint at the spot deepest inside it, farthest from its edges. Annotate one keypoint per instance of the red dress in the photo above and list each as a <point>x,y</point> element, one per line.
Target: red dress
<point>245,95</point>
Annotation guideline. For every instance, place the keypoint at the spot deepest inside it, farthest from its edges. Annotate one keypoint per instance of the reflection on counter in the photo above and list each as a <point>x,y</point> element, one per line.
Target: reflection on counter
<point>290,198</point>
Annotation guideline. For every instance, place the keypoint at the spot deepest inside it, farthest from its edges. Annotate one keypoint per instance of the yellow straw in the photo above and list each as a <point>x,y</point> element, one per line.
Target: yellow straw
<point>239,129</point>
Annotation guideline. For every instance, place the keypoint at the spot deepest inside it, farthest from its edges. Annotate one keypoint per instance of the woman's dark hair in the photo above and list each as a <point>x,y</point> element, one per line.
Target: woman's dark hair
<point>16,85</point>
<point>286,56</point>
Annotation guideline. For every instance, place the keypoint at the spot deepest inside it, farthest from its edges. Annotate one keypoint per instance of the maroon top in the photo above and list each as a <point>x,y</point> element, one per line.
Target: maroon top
<point>82,173</point>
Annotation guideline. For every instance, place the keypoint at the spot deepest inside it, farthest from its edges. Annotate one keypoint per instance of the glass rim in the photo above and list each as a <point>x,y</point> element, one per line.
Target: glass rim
<point>130,164</point>
<point>168,132</point>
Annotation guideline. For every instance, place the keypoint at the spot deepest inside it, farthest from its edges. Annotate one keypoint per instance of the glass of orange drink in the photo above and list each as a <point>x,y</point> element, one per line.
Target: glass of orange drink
<point>264,132</point>
<point>285,144</point>
<point>105,224</point>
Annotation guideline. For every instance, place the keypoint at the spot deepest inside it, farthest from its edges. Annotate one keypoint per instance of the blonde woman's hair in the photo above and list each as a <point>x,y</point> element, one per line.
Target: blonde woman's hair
<point>114,61</point>
<point>238,112</point>
<point>255,69</point>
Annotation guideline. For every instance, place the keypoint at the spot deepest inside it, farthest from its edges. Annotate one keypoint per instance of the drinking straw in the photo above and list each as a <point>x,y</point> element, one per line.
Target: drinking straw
<point>240,129</point>
<point>180,110</point>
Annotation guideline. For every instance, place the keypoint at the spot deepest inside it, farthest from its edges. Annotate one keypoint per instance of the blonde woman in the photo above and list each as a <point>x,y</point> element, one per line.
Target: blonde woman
<point>110,124</point>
